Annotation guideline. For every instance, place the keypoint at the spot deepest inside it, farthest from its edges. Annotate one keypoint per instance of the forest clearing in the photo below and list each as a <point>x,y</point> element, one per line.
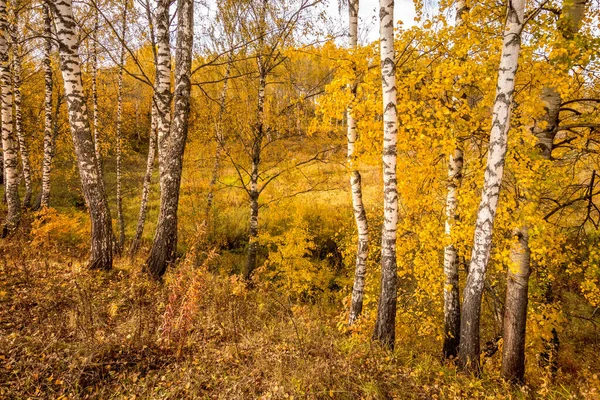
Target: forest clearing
<point>254,199</point>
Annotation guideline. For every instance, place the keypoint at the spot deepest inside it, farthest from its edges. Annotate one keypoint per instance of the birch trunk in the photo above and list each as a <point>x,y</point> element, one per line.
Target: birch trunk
<point>517,282</point>
<point>18,127</point>
<point>451,284</point>
<point>386,312</point>
<point>9,142</point>
<point>220,139</point>
<point>360,216</point>
<point>101,254</point>
<point>95,113</point>
<point>451,290</point>
<point>172,147</point>
<point>48,131</point>
<point>119,134</point>
<point>470,319</point>
<point>254,193</point>
<point>152,138</point>
<point>135,244</point>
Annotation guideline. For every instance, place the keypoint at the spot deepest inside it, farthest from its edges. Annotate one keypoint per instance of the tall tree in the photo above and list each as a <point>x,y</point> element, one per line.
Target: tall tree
<point>451,289</point>
<point>470,319</point>
<point>48,131</point>
<point>172,146</point>
<point>95,110</point>
<point>360,216</point>
<point>517,280</point>
<point>9,142</point>
<point>119,133</point>
<point>385,326</point>
<point>101,254</point>
<point>135,244</point>
<point>17,57</point>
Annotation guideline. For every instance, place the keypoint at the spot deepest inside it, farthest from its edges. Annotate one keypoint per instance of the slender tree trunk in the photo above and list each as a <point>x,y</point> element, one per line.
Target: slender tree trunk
<point>451,291</point>
<point>451,284</point>
<point>219,139</point>
<point>95,112</point>
<point>18,127</point>
<point>135,244</point>
<point>515,314</point>
<point>470,319</point>
<point>120,217</point>
<point>360,216</point>
<point>254,193</point>
<point>9,142</point>
<point>91,178</point>
<point>517,283</point>
<point>172,147</point>
<point>385,326</point>
<point>48,132</point>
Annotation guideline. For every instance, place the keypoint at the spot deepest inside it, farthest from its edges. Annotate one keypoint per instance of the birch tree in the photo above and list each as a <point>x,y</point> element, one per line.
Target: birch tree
<point>451,289</point>
<point>517,280</point>
<point>385,325</point>
<point>470,319</point>
<point>48,131</point>
<point>151,142</point>
<point>119,133</point>
<point>360,216</point>
<point>171,143</point>
<point>17,57</point>
<point>9,142</point>
<point>101,254</point>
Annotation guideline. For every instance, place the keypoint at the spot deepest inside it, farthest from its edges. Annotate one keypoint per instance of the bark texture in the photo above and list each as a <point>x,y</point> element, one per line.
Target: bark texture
<point>48,131</point>
<point>119,134</point>
<point>360,216</point>
<point>469,348</point>
<point>135,244</point>
<point>515,308</point>
<point>451,289</point>
<point>219,137</point>
<point>385,325</point>
<point>253,192</point>
<point>9,142</point>
<point>95,112</point>
<point>101,254</point>
<point>517,287</point>
<point>171,147</point>
<point>17,56</point>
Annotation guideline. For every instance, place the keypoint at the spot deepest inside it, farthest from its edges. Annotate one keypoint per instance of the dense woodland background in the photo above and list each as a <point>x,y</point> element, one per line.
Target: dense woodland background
<point>249,200</point>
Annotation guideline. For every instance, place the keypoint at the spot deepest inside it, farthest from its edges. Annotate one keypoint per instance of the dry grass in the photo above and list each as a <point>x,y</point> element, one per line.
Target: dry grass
<point>70,333</point>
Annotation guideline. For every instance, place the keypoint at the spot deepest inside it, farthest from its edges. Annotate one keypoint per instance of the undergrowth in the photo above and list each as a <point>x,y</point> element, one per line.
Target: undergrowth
<point>66,332</point>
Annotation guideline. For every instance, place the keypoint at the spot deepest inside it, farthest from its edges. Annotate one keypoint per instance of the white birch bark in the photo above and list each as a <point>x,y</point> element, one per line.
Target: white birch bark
<point>172,147</point>
<point>152,138</point>
<point>470,319</point>
<point>119,134</point>
<point>219,136</point>
<point>95,111</point>
<point>451,289</point>
<point>517,280</point>
<point>135,244</point>
<point>360,216</point>
<point>89,171</point>
<point>9,142</point>
<point>386,311</point>
<point>251,261</point>
<point>48,131</point>
<point>17,100</point>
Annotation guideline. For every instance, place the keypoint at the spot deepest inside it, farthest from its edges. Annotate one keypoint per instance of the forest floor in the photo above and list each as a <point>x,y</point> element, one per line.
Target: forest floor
<point>66,332</point>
